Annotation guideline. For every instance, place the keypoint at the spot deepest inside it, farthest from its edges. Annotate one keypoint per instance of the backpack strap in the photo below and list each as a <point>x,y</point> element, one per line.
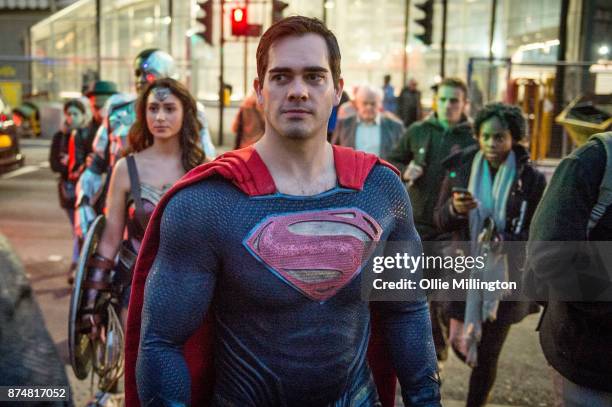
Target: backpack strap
<point>135,191</point>
<point>604,200</point>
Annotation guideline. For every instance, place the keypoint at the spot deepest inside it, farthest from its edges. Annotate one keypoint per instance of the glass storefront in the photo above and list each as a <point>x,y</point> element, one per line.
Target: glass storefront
<point>371,37</point>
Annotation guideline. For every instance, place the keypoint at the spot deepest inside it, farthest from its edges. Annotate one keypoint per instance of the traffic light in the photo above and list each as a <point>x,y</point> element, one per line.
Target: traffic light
<point>240,25</point>
<point>426,22</point>
<point>277,10</point>
<point>207,21</point>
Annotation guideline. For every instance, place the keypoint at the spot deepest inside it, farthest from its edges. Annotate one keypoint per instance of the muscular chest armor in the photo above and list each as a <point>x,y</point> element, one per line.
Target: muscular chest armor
<point>136,225</point>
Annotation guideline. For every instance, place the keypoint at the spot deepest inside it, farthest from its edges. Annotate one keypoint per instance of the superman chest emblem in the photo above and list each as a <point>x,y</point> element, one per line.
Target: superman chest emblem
<point>317,253</point>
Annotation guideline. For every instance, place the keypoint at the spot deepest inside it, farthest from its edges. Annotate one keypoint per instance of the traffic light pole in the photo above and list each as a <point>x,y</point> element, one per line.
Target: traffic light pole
<point>98,38</point>
<point>221,69</point>
<point>559,85</point>
<point>324,12</point>
<point>171,15</point>
<point>246,58</point>
<point>491,55</point>
<point>405,52</point>
<point>443,40</point>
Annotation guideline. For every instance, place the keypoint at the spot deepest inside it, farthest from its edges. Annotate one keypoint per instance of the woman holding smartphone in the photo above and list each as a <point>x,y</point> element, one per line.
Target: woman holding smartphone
<point>489,197</point>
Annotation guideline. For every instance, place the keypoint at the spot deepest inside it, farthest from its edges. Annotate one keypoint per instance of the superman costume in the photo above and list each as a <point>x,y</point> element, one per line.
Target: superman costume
<point>281,276</point>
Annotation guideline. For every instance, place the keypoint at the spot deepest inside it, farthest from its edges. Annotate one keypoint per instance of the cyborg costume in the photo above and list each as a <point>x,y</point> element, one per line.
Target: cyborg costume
<point>290,328</point>
<point>111,138</point>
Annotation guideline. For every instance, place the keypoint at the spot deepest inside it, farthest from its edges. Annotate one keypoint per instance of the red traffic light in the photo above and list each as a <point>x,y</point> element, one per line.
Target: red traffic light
<point>238,15</point>
<point>240,25</point>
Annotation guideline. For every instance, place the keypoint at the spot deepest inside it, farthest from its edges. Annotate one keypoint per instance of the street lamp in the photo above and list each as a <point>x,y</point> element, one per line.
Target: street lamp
<point>603,50</point>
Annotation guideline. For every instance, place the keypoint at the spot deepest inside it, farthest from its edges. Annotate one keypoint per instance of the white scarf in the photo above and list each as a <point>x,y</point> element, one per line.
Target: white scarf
<point>482,305</point>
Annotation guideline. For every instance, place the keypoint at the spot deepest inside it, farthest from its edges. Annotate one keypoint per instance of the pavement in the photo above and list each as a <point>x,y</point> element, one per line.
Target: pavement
<point>38,230</point>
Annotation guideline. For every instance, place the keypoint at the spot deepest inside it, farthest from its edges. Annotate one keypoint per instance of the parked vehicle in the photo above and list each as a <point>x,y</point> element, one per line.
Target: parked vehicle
<point>10,154</point>
<point>27,120</point>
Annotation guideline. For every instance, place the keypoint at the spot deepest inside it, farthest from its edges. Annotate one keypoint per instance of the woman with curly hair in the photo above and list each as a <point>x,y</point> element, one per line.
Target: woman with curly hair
<point>164,144</point>
<point>490,193</point>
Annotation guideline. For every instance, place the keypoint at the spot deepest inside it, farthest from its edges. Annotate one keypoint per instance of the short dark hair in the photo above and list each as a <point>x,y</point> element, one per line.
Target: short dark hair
<point>511,117</point>
<point>453,82</point>
<point>74,103</point>
<point>298,26</point>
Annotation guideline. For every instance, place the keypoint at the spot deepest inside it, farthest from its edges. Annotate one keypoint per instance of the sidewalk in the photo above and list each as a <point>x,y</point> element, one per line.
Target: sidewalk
<point>455,403</point>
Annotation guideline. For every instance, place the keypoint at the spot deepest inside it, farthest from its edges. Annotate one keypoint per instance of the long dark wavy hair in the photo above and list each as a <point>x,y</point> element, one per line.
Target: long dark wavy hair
<point>140,136</point>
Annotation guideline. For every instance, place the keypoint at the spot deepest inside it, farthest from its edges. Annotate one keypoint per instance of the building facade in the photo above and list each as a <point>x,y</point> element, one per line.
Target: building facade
<point>16,18</point>
<point>525,42</point>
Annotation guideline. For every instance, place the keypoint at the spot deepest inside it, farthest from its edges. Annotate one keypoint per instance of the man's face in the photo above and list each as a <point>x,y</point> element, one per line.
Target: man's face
<point>297,91</point>
<point>368,105</point>
<point>451,103</point>
<point>97,105</point>
<point>143,78</point>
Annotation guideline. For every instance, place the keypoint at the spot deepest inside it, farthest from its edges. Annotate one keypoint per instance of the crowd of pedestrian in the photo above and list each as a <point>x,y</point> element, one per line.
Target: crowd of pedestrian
<point>281,194</point>
<point>465,174</point>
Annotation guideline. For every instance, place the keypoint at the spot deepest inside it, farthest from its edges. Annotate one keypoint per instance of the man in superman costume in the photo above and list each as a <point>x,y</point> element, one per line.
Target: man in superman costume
<point>265,246</point>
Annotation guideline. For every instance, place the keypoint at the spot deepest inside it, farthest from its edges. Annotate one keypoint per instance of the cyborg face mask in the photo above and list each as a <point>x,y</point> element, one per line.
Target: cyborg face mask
<point>153,64</point>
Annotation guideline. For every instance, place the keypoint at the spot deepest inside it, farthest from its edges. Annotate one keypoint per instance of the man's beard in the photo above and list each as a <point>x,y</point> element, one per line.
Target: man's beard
<point>295,132</point>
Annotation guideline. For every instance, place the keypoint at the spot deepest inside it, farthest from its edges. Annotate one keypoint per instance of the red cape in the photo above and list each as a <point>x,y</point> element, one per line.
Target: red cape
<point>245,169</point>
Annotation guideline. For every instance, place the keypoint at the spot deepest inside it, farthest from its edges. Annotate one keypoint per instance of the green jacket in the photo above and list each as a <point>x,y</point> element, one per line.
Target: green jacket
<point>428,144</point>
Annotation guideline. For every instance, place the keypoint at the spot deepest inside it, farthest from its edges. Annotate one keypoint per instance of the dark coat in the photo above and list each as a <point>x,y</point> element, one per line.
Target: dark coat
<point>428,144</point>
<point>59,146</point>
<point>528,187</point>
<point>69,176</point>
<point>88,138</point>
<point>390,132</point>
<point>576,337</point>
<point>409,106</point>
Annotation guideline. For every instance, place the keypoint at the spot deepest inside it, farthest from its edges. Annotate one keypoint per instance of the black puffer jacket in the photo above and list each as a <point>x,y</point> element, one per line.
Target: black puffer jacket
<point>528,187</point>
<point>576,337</point>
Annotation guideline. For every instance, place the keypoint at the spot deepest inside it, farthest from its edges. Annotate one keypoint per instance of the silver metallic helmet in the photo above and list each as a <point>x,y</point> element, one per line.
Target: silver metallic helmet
<point>152,64</point>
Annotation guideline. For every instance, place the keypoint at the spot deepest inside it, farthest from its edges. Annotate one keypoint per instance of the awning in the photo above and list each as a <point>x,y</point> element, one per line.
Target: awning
<point>25,4</point>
